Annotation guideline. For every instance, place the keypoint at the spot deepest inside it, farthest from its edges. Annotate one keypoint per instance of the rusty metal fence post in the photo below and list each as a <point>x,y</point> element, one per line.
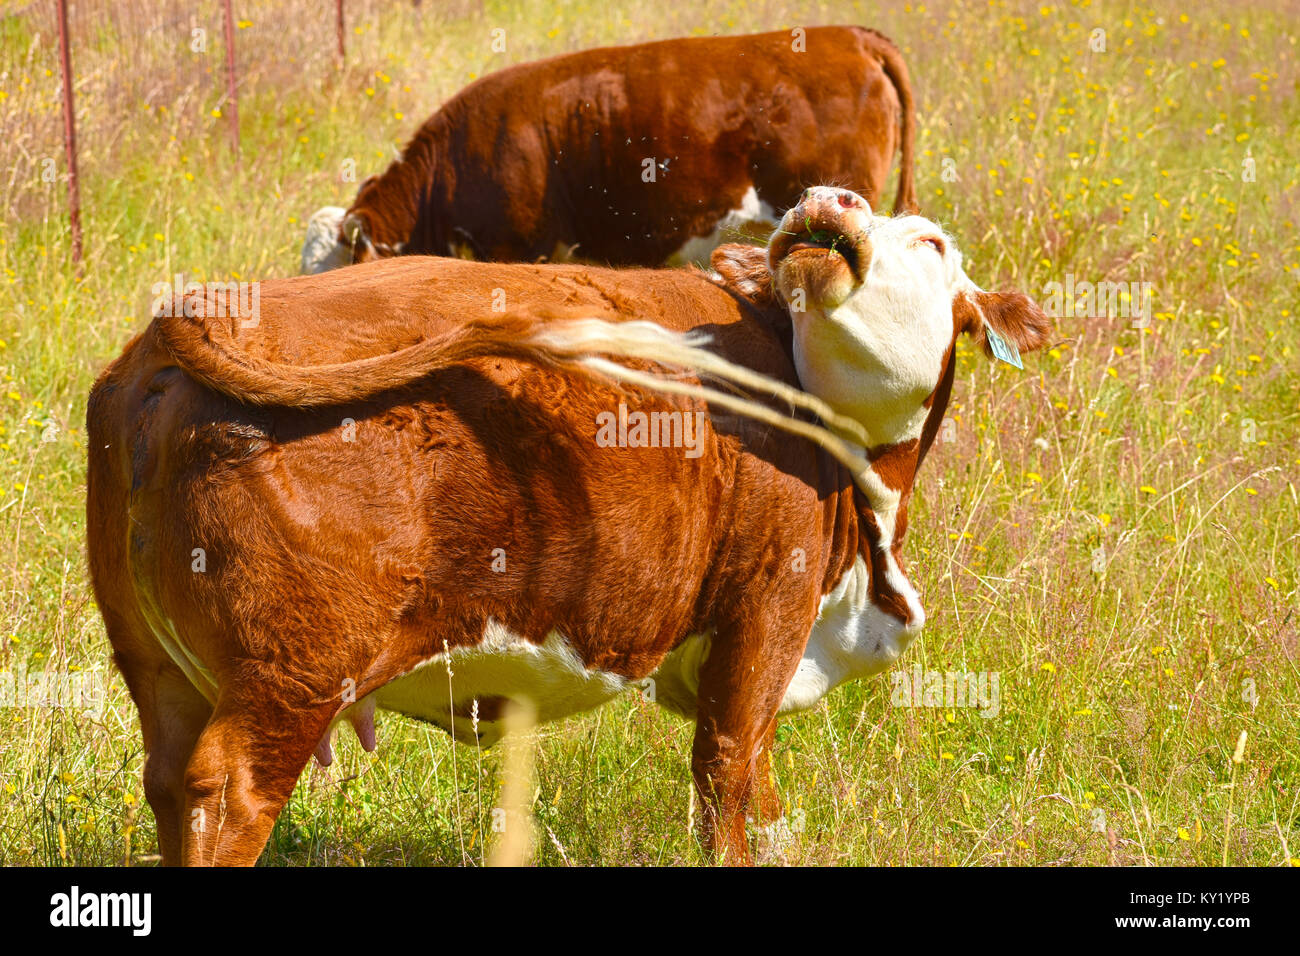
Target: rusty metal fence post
<point>231,80</point>
<point>338,8</point>
<point>70,136</point>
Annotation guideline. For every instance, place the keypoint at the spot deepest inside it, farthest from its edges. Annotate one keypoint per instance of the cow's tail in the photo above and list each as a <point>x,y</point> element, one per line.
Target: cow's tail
<point>896,71</point>
<point>587,347</point>
<point>225,368</point>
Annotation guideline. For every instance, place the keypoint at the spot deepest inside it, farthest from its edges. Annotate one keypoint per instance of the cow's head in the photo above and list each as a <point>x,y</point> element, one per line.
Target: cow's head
<point>323,248</point>
<point>335,238</point>
<point>877,304</point>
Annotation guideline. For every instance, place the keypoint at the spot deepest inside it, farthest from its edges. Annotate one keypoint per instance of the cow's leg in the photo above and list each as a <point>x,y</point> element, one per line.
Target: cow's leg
<point>767,807</point>
<point>171,718</point>
<point>172,715</point>
<point>243,770</point>
<point>772,833</point>
<point>738,699</point>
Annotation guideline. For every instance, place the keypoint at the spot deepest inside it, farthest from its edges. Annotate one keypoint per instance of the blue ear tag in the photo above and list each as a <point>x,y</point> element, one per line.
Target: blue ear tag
<point>1003,349</point>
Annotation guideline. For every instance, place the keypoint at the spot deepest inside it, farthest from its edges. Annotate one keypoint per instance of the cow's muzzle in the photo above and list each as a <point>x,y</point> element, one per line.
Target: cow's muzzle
<point>827,223</point>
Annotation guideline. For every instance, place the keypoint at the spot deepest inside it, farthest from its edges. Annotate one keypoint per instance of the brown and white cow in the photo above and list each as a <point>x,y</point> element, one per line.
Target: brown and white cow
<point>380,480</point>
<point>636,155</point>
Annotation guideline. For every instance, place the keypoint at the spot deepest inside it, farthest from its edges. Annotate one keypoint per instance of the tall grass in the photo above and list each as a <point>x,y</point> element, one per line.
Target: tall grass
<point>1113,531</point>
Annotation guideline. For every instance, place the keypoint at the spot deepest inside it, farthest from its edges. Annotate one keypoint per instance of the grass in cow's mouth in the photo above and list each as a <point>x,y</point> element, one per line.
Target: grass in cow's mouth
<point>836,242</point>
<point>1110,532</point>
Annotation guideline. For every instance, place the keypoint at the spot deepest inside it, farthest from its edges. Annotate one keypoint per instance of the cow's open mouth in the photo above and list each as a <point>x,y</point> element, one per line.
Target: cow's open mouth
<point>835,244</point>
<point>825,239</point>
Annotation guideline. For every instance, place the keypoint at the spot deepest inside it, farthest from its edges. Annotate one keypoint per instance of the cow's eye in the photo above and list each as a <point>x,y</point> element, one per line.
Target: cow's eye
<point>934,242</point>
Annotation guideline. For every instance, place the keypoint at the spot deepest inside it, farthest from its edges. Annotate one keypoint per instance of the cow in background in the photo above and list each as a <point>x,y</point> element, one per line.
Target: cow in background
<point>636,155</point>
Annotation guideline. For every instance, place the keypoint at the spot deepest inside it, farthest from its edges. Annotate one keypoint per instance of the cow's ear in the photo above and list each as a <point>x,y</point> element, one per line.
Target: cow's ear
<point>1013,315</point>
<point>353,228</point>
<point>744,270</point>
<point>354,231</point>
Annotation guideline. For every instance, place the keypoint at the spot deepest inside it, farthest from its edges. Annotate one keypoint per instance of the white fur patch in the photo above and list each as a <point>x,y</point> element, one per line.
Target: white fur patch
<point>852,638</point>
<point>879,354</point>
<point>321,250</point>
<point>502,664</point>
<point>754,216</point>
<point>676,684</point>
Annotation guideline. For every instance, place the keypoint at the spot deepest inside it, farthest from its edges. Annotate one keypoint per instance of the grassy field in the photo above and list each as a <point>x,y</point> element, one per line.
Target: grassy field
<point>1114,532</point>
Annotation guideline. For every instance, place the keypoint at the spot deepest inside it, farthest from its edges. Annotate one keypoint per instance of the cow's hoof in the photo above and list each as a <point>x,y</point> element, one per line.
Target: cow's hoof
<point>773,842</point>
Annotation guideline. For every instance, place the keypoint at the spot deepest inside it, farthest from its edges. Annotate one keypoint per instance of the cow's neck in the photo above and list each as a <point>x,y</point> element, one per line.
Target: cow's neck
<point>883,512</point>
<point>861,373</point>
<point>880,503</point>
<point>393,200</point>
<point>871,613</point>
<point>883,492</point>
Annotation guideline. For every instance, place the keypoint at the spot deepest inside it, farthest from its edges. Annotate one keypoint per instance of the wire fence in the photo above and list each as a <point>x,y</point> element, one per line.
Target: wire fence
<point>168,56</point>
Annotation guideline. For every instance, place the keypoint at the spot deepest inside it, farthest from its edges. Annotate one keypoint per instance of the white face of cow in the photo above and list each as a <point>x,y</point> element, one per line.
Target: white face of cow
<point>322,250</point>
<point>877,303</point>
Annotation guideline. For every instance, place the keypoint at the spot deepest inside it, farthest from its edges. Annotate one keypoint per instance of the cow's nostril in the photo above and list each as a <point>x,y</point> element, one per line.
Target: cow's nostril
<point>848,200</point>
